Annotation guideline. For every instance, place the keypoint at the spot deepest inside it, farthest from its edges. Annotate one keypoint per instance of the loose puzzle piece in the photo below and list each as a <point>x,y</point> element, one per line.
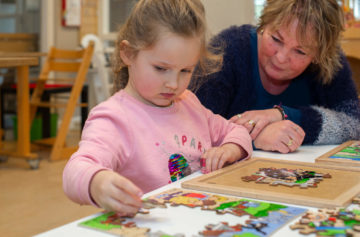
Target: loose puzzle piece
<point>351,152</point>
<point>264,218</point>
<point>356,200</point>
<point>287,177</point>
<point>330,222</point>
<point>115,224</point>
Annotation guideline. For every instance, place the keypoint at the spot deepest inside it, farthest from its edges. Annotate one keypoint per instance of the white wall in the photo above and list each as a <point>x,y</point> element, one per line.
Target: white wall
<point>221,14</point>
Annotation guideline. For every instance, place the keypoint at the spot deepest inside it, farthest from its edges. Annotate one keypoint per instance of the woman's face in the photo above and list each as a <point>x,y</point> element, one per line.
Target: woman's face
<point>281,57</point>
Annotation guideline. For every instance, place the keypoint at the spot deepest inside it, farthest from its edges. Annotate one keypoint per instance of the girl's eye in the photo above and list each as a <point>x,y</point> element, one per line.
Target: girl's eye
<point>160,69</point>
<point>186,70</point>
<point>275,39</point>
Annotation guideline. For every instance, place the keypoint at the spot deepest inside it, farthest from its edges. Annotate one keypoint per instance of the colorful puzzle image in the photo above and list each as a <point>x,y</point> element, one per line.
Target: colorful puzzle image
<point>287,177</point>
<point>283,181</point>
<point>351,152</point>
<point>346,154</point>
<point>168,215</point>
<point>330,222</point>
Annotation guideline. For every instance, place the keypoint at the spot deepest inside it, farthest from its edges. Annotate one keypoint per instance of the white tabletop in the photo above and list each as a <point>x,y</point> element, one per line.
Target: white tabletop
<point>175,220</point>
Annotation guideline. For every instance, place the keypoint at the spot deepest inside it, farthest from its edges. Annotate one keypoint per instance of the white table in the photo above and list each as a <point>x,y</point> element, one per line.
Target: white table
<point>187,216</point>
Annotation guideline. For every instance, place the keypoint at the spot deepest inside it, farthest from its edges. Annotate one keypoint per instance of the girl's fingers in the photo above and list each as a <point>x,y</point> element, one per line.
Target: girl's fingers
<point>118,206</point>
<point>127,199</point>
<point>128,186</point>
<point>259,126</point>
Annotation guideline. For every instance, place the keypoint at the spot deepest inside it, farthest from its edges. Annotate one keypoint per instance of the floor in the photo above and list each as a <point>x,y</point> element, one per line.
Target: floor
<point>32,201</point>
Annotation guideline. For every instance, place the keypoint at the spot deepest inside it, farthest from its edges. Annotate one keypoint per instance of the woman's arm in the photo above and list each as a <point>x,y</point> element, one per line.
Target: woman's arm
<point>335,116</point>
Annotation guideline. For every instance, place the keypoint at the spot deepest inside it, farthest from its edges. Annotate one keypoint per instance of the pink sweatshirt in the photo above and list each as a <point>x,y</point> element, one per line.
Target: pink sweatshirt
<point>151,146</point>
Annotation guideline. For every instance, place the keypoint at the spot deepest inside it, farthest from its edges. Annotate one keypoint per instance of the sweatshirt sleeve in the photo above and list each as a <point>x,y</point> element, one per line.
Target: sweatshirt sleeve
<point>223,131</point>
<point>104,145</point>
<point>335,117</point>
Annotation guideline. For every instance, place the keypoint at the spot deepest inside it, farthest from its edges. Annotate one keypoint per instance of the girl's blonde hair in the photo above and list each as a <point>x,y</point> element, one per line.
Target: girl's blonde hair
<point>324,19</point>
<point>146,22</point>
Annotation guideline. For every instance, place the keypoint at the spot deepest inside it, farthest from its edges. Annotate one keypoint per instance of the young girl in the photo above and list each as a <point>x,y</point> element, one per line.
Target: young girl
<point>153,131</point>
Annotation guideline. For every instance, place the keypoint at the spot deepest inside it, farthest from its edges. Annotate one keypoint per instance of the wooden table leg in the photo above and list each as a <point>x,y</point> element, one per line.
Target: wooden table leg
<point>23,111</point>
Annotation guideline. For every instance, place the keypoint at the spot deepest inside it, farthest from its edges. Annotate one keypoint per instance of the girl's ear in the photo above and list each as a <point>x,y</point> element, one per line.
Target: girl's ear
<point>126,52</point>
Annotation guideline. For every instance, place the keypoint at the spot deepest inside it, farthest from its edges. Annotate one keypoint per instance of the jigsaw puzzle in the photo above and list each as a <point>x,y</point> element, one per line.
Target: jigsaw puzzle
<point>261,218</point>
<point>346,154</point>
<point>338,184</point>
<point>330,222</point>
<point>351,152</point>
<point>287,177</point>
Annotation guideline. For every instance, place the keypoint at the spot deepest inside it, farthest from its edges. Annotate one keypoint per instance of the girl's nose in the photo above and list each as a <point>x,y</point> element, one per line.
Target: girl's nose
<point>172,82</point>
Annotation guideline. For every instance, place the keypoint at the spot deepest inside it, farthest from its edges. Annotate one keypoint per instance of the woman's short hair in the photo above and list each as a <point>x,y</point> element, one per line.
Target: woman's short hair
<point>323,18</point>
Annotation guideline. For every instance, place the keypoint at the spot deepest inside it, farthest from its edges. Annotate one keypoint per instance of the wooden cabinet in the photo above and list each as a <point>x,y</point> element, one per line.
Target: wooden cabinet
<point>351,46</point>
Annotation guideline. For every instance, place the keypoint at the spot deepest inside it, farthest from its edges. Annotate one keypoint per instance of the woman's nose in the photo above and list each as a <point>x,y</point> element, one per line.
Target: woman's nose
<point>282,55</point>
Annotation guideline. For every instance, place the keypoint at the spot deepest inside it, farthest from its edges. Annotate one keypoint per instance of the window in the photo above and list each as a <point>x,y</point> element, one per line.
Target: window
<point>114,14</point>
<point>19,16</point>
<point>258,7</point>
<point>355,6</point>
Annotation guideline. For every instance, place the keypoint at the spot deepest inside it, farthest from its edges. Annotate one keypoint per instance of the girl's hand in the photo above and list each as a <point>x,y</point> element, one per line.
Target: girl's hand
<point>256,120</point>
<point>283,136</point>
<point>217,157</point>
<point>114,192</point>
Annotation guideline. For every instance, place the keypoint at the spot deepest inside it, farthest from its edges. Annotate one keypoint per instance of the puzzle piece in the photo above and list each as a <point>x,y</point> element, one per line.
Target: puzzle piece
<point>356,200</point>
<point>152,203</point>
<point>176,197</point>
<point>330,222</point>
<point>220,228</point>
<point>130,232</point>
<point>286,177</point>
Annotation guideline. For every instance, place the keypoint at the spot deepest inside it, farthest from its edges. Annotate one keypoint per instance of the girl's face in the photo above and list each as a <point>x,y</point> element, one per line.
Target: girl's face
<point>159,74</point>
<point>281,57</point>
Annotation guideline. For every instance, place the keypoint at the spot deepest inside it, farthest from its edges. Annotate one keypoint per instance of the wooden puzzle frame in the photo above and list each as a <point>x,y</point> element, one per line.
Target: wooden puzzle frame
<point>334,192</point>
<point>338,161</point>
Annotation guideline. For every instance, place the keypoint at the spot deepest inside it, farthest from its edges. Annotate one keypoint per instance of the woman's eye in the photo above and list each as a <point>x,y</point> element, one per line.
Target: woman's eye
<point>275,39</point>
<point>300,52</point>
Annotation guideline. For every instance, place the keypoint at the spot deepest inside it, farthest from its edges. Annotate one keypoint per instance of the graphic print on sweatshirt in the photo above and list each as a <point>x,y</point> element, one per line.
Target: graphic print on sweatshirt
<point>184,157</point>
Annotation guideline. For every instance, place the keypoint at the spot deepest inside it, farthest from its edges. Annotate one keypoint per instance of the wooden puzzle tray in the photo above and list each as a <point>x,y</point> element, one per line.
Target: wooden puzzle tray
<point>336,191</point>
<point>346,154</point>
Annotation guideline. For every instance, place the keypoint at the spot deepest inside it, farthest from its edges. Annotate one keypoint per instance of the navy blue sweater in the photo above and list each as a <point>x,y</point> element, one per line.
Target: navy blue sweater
<point>331,117</point>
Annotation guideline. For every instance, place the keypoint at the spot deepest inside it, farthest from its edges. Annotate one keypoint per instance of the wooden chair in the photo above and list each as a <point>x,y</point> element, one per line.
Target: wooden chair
<point>59,62</point>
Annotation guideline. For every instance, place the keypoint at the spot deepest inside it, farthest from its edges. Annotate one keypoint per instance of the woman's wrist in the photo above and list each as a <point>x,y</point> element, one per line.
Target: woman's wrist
<point>281,110</point>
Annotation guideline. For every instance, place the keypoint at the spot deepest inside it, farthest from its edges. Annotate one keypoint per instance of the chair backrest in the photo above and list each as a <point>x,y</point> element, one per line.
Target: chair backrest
<point>62,61</point>
<point>77,61</point>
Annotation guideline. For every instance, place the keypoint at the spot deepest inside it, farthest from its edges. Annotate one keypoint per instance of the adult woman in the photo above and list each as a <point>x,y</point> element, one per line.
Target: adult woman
<point>292,61</point>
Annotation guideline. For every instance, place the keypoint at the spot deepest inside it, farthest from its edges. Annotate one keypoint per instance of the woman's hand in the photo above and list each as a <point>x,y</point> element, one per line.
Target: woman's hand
<point>114,192</point>
<point>217,157</point>
<point>283,136</point>
<point>256,120</point>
